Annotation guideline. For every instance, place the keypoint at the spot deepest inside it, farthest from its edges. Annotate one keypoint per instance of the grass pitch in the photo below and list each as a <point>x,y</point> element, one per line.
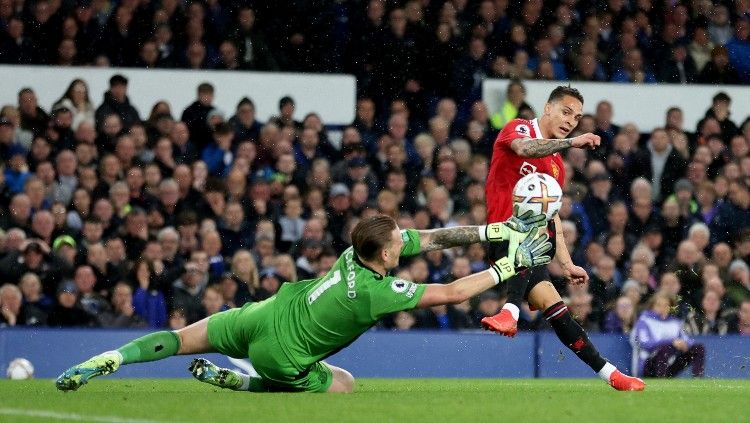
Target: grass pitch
<point>381,400</point>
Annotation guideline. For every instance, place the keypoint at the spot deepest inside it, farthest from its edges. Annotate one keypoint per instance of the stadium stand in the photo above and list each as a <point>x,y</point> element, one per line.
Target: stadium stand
<point>118,217</point>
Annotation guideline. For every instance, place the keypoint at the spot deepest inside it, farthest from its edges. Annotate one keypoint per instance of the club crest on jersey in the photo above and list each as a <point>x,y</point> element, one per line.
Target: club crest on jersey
<point>527,168</point>
<point>555,170</point>
<point>523,129</point>
<point>399,286</point>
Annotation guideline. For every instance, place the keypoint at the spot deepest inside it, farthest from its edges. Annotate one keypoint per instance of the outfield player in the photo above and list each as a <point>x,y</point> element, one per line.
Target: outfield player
<point>523,147</point>
<point>287,336</point>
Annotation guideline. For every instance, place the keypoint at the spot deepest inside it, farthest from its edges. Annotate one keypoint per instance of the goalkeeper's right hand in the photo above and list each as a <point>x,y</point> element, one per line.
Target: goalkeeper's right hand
<point>529,253</point>
<point>504,231</point>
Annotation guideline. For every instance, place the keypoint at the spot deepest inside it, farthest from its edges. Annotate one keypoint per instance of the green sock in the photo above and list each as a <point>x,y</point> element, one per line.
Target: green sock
<point>151,347</point>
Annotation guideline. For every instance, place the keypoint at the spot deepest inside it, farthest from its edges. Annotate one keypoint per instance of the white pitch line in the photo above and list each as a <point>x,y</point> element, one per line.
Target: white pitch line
<point>70,416</point>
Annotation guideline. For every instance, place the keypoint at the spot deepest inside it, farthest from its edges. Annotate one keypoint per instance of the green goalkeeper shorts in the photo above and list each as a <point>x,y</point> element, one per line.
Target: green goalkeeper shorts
<point>249,332</point>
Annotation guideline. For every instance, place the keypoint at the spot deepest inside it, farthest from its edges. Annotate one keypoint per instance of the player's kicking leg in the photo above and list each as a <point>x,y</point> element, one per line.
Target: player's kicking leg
<point>545,297</point>
<point>192,339</point>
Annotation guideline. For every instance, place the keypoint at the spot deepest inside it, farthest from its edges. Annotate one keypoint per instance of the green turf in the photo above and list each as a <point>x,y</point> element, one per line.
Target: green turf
<point>385,400</point>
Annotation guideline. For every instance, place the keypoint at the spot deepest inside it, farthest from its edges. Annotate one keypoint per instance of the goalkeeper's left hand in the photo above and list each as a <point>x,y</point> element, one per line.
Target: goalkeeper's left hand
<point>530,252</point>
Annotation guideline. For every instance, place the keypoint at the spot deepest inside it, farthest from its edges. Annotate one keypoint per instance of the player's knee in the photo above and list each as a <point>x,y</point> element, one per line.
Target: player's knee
<point>347,381</point>
<point>544,295</point>
<point>344,380</point>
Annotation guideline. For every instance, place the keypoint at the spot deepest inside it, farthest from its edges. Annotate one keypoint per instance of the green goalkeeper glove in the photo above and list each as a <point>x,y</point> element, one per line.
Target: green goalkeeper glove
<point>529,253</point>
<point>511,228</point>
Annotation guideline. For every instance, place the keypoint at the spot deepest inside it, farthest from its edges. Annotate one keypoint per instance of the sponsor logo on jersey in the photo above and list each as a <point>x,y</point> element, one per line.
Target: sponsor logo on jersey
<point>526,168</point>
<point>399,286</point>
<point>523,129</point>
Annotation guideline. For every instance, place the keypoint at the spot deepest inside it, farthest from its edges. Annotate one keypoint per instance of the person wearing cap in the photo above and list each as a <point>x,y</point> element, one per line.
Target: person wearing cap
<point>67,311</point>
<point>683,193</point>
<point>64,246</point>
<point>287,336</point>
<point>195,116</point>
<point>116,102</point>
<point>270,282</point>
<point>16,171</point>
<point>358,170</point>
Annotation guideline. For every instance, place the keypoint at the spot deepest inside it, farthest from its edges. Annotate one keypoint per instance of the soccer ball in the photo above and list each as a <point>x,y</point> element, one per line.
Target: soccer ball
<point>539,193</point>
<point>19,369</point>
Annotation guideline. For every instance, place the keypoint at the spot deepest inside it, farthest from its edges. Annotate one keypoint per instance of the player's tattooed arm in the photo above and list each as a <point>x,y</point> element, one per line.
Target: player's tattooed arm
<point>527,147</point>
<point>439,239</point>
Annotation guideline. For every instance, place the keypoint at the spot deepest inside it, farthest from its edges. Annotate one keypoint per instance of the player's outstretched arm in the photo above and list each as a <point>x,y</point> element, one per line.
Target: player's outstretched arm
<point>516,227</point>
<point>531,252</point>
<point>529,147</point>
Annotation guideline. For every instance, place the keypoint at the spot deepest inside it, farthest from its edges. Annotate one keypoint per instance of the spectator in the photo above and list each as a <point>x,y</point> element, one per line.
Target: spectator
<point>33,117</point>
<point>76,99</point>
<point>738,285</point>
<point>212,301</point>
<point>195,116</point>
<point>188,291</point>
<point>67,311</point>
<point>148,301</point>
<point>122,314</point>
<point>621,318</point>
<point>719,70</point>
<point>739,49</point>
<point>710,319</point>
<point>743,318</point>
<point>515,98</point>
<point>116,102</point>
<point>633,69</point>
<point>659,163</point>
<point>244,124</point>
<point>661,348</point>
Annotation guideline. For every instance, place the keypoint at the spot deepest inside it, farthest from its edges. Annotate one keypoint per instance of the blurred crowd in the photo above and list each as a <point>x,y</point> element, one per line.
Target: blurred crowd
<point>417,50</point>
<point>118,217</point>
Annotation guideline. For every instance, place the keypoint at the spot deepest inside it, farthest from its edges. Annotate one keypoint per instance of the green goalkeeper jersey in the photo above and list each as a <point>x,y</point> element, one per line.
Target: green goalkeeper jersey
<point>316,318</point>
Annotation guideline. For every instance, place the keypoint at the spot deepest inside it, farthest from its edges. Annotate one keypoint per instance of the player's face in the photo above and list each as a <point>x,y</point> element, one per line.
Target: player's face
<point>562,116</point>
<point>392,252</point>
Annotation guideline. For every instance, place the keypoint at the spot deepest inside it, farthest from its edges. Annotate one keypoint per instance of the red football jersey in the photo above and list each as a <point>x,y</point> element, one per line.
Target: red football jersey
<point>507,168</point>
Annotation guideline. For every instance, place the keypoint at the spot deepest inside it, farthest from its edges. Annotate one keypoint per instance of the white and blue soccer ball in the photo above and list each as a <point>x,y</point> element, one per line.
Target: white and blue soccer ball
<point>539,193</point>
<point>20,369</point>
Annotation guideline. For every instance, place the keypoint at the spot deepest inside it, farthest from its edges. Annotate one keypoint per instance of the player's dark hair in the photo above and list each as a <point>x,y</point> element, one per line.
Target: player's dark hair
<point>561,91</point>
<point>371,235</point>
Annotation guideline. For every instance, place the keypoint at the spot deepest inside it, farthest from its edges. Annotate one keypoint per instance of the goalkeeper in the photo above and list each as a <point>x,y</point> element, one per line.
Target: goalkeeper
<point>287,336</point>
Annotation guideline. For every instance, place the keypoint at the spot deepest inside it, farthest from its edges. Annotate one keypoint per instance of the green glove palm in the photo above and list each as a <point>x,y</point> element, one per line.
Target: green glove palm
<point>528,250</point>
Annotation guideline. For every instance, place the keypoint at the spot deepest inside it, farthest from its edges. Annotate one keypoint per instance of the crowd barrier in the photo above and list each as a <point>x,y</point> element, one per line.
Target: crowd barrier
<point>420,354</point>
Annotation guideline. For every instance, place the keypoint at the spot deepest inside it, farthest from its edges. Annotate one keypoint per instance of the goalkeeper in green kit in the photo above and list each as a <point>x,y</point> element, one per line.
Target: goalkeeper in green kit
<point>287,336</point>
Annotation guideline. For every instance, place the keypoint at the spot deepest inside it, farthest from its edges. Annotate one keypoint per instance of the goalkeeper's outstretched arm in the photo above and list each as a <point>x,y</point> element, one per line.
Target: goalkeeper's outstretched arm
<point>457,236</point>
<point>531,252</point>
